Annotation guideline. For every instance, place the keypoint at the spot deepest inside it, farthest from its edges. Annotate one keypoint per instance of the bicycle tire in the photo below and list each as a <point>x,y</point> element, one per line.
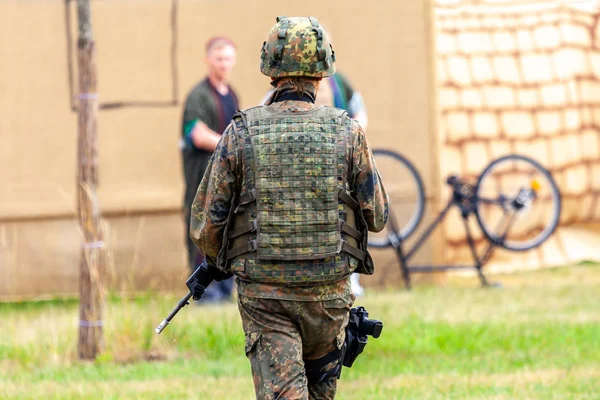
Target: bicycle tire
<point>510,202</point>
<point>399,164</point>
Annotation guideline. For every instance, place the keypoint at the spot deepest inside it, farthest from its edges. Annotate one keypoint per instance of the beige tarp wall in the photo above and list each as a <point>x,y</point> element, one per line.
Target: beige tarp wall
<point>150,53</point>
<point>524,77</point>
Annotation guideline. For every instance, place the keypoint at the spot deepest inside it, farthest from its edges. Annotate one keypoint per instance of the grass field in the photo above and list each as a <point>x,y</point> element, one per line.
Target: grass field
<point>536,338</point>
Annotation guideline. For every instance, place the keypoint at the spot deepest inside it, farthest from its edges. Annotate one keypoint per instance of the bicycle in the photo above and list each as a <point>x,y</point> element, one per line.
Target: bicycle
<point>507,194</point>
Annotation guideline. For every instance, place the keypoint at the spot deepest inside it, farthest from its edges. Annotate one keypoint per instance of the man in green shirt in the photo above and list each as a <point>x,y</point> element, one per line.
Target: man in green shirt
<point>209,107</point>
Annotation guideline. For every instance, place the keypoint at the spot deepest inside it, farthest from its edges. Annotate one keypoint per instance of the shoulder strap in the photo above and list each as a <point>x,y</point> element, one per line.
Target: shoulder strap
<point>331,112</point>
<point>252,114</point>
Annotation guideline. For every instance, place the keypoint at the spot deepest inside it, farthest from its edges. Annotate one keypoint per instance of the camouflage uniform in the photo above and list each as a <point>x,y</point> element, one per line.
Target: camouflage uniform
<point>291,314</point>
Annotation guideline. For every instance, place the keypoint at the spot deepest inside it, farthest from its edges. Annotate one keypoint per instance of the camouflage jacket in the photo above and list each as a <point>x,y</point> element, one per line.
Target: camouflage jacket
<point>222,180</point>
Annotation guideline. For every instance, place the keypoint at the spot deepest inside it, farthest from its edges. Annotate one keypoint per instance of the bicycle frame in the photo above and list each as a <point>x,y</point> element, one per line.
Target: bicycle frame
<point>463,197</point>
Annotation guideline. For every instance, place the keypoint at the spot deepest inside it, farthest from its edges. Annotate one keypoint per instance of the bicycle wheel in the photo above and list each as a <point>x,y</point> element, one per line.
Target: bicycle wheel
<point>406,197</point>
<point>517,203</point>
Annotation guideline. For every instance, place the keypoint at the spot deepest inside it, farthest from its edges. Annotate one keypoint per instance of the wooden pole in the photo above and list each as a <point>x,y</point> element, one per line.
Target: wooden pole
<point>92,261</point>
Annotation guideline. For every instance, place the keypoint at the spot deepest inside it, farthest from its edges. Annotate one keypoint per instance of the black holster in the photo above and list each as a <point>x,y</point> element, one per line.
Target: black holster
<point>359,328</point>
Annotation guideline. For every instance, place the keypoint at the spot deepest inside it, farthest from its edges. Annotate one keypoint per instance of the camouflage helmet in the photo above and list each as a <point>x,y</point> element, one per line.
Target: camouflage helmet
<point>297,46</point>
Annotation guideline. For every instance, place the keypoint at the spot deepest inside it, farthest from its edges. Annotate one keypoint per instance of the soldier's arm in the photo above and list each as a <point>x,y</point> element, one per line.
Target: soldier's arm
<point>213,200</point>
<point>367,185</point>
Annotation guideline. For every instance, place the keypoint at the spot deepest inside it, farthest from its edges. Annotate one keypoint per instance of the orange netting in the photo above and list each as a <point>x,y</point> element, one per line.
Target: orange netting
<point>522,77</point>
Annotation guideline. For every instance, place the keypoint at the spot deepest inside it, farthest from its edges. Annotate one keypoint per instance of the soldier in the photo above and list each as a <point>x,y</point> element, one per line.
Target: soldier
<point>336,91</point>
<point>285,205</point>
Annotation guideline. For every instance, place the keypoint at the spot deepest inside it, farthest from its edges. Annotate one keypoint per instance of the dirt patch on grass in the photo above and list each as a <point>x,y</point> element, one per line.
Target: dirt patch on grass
<point>134,357</point>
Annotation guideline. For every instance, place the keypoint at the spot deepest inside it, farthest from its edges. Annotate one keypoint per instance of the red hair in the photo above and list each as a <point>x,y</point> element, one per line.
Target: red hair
<point>217,42</point>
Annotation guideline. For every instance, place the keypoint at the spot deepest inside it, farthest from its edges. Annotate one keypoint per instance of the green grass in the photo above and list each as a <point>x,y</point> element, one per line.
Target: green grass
<point>536,338</point>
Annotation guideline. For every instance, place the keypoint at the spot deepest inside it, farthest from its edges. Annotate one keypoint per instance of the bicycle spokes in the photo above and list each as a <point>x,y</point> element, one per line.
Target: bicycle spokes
<point>517,185</point>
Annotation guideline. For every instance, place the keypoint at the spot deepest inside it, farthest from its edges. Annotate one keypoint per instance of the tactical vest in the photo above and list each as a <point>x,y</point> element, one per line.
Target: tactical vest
<point>295,203</point>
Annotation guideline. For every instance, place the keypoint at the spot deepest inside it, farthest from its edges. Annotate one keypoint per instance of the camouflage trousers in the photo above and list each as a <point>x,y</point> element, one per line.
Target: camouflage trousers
<point>282,334</point>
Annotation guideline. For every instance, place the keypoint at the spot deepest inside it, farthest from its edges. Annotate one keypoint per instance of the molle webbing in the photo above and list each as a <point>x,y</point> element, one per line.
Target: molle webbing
<point>297,163</point>
<point>294,203</point>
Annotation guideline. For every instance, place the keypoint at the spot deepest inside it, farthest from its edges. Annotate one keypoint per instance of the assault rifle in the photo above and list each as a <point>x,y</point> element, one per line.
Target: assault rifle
<point>197,284</point>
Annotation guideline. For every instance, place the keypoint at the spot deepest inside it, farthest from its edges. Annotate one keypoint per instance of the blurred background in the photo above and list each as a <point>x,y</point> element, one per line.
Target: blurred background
<point>449,84</point>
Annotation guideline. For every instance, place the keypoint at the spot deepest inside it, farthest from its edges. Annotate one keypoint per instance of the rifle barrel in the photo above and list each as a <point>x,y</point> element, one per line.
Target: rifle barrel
<point>182,303</point>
